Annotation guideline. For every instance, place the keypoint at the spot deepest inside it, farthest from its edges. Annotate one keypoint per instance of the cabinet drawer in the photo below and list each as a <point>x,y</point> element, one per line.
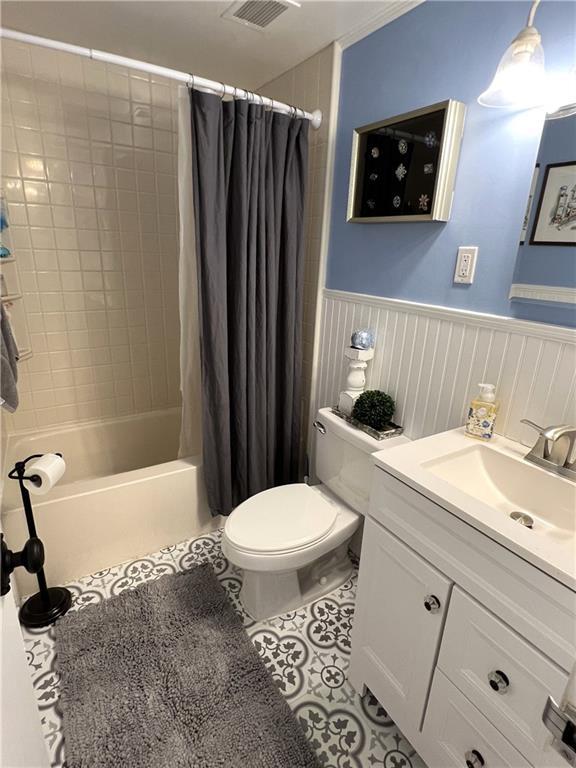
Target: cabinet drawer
<point>400,612</point>
<point>477,645</point>
<point>456,734</point>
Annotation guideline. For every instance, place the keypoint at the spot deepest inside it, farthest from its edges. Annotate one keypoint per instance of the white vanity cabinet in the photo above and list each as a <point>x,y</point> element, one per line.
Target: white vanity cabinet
<point>461,640</point>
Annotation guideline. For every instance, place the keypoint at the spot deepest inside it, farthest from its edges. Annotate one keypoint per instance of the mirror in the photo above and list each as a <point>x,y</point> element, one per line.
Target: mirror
<point>546,264</point>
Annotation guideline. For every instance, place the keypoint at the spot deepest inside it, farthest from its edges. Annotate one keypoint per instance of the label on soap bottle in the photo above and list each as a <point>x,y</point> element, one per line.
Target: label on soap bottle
<point>480,421</point>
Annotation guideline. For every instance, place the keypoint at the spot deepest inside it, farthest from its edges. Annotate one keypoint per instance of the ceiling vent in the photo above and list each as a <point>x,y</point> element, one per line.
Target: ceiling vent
<point>257,14</point>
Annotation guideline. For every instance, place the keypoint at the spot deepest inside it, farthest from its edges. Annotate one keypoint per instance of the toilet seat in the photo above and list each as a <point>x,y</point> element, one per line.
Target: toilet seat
<point>281,520</point>
<point>292,545</point>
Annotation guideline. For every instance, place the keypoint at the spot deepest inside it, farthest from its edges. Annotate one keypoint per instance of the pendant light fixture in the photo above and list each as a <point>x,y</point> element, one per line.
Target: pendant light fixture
<point>519,82</point>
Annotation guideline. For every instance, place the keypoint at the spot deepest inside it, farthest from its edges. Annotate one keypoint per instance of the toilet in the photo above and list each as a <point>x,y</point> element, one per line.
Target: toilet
<point>292,541</point>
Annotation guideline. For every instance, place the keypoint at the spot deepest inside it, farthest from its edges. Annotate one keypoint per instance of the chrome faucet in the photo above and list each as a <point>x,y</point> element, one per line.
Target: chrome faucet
<point>554,449</point>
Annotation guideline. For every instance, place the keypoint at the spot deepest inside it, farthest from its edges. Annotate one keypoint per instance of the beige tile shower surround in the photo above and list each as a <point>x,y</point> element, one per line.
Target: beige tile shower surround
<point>89,173</point>
<point>310,85</point>
<point>88,169</point>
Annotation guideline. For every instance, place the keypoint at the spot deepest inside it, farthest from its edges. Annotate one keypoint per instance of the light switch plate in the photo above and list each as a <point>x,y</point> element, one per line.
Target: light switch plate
<point>466,264</point>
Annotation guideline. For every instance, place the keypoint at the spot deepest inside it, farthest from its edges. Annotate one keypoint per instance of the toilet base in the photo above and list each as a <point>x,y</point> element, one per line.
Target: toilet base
<point>267,594</point>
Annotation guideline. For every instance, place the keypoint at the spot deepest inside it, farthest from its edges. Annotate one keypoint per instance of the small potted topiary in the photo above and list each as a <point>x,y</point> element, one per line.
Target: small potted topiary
<point>374,409</point>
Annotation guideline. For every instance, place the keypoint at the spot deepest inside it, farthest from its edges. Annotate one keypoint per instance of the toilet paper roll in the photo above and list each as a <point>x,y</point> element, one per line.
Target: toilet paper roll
<point>45,471</point>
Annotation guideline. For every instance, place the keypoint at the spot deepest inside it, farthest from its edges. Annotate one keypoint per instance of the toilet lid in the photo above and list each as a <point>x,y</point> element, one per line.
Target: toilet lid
<point>281,519</point>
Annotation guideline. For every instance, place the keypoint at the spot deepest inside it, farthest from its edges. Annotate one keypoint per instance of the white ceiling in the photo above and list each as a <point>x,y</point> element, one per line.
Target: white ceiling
<point>192,36</point>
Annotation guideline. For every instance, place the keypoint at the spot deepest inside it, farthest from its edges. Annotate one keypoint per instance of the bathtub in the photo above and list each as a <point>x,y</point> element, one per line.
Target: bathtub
<point>124,494</point>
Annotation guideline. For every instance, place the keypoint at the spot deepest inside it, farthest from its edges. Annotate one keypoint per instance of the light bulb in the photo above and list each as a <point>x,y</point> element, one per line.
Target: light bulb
<point>520,80</point>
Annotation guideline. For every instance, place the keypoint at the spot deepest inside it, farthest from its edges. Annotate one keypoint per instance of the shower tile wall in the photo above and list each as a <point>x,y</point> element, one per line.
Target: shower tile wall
<point>309,85</point>
<point>89,173</point>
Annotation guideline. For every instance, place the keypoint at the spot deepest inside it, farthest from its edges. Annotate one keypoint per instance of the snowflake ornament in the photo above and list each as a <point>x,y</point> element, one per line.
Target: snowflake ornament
<point>396,201</point>
<point>402,146</point>
<point>375,152</point>
<point>423,201</point>
<point>430,139</point>
<point>400,172</point>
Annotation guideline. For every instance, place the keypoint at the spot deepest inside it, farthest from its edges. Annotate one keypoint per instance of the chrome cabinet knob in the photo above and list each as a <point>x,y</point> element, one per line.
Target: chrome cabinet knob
<point>498,681</point>
<point>431,603</point>
<point>474,759</point>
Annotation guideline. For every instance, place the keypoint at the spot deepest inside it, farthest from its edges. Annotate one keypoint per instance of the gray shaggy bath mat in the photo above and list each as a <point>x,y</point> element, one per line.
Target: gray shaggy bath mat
<point>165,676</point>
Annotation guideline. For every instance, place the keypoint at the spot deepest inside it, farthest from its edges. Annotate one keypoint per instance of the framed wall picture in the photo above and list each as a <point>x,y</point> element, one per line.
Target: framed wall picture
<point>555,221</point>
<point>529,204</point>
<point>404,168</point>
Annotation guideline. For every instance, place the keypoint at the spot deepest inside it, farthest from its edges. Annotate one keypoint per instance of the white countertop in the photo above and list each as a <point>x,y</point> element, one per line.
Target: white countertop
<point>475,497</point>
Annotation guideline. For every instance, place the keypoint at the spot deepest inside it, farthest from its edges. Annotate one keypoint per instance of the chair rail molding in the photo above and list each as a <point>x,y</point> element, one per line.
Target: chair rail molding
<point>543,293</point>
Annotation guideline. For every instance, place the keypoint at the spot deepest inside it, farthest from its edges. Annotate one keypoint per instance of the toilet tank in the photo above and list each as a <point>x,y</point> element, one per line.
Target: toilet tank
<point>343,458</point>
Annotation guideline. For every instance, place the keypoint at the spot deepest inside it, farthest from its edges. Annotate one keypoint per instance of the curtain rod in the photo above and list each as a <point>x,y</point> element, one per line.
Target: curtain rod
<point>192,81</point>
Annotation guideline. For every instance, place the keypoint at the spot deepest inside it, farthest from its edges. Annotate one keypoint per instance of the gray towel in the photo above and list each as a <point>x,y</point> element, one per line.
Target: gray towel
<point>9,360</point>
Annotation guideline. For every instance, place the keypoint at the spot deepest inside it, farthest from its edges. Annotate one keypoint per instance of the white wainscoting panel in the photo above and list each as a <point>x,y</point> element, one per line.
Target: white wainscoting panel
<point>430,359</point>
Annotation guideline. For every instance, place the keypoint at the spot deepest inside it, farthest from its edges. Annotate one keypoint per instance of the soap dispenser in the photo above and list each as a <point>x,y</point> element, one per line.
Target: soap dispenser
<point>482,413</point>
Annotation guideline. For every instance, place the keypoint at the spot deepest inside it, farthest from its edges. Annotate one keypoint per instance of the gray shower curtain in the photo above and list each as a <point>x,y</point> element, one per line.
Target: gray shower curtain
<point>249,172</point>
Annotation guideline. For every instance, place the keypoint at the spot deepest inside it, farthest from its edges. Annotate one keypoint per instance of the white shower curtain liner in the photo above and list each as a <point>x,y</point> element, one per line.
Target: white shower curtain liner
<point>190,377</point>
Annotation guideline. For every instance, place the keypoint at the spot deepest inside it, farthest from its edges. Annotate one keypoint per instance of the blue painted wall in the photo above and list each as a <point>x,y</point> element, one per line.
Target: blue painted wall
<point>444,50</point>
<point>548,264</point>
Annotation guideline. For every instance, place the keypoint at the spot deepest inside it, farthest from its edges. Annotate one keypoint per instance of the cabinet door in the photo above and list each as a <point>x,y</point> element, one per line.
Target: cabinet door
<point>400,610</point>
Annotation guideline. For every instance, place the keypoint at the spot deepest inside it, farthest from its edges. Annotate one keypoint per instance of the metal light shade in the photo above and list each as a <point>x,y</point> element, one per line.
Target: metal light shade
<point>519,82</point>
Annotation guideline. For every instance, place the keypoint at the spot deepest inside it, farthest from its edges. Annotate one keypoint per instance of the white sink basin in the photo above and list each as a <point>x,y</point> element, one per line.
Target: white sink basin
<point>509,485</point>
<point>492,487</point>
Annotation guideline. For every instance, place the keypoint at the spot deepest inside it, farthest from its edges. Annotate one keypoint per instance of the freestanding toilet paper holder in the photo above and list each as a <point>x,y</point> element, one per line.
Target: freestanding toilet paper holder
<point>49,603</point>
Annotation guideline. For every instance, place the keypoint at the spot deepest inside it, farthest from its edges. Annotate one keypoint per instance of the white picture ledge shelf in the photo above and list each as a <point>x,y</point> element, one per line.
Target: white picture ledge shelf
<point>543,293</point>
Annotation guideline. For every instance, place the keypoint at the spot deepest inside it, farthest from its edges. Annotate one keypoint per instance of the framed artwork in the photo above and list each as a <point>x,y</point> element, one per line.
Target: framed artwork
<point>404,168</point>
<point>529,204</point>
<point>555,221</point>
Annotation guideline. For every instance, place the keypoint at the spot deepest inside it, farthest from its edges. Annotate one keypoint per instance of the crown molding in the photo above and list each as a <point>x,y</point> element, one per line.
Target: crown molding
<point>503,323</point>
<point>543,293</point>
<point>392,10</point>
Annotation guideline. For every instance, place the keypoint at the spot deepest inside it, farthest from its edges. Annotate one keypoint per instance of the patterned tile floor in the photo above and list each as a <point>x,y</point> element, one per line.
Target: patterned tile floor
<point>307,652</point>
